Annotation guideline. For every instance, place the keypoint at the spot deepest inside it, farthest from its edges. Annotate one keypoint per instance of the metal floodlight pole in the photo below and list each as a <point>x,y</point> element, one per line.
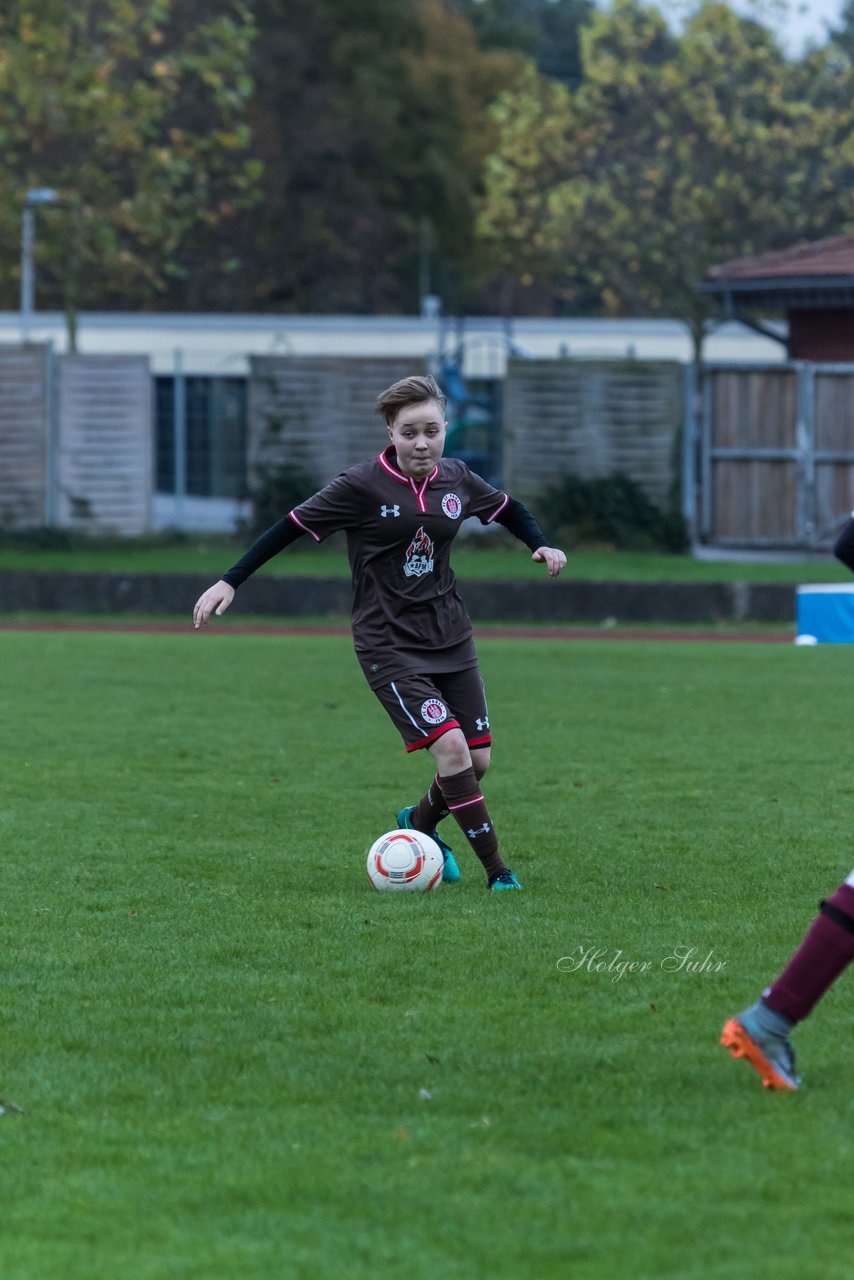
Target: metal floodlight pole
<point>36,196</point>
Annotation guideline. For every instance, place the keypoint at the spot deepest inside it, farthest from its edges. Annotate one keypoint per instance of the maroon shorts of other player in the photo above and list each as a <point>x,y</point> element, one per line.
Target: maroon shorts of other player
<point>422,708</point>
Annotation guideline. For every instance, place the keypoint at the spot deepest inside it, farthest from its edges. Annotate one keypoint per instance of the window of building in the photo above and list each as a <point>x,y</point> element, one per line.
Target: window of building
<point>214,436</point>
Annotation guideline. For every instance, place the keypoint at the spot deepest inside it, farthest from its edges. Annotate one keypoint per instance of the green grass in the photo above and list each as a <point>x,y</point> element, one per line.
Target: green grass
<point>219,1035</point>
<point>234,620</point>
<point>211,557</point>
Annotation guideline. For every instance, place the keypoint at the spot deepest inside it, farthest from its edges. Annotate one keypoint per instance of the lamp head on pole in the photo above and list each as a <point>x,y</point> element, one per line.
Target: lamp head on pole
<point>41,195</point>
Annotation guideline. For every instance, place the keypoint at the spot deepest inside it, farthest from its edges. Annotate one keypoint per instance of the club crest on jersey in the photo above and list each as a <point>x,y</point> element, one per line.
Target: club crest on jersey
<point>452,506</point>
<point>419,556</point>
<point>433,711</point>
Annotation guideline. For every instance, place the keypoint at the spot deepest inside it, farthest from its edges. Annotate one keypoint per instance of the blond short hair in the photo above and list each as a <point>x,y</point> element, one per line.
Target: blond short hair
<point>408,391</point>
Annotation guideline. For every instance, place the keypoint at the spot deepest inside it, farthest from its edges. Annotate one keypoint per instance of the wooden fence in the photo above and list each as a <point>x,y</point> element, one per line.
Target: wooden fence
<point>24,436</point>
<point>106,448</point>
<point>560,417</point>
<point>317,412</point>
<point>773,455</point>
<point>76,441</point>
<point>591,419</point>
<point>767,457</point>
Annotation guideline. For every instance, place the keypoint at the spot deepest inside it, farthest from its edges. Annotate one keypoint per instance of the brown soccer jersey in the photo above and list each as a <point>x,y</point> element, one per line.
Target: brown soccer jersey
<point>407,611</point>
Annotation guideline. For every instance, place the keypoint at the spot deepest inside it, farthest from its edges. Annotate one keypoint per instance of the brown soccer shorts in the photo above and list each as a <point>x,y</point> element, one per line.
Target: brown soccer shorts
<point>424,707</point>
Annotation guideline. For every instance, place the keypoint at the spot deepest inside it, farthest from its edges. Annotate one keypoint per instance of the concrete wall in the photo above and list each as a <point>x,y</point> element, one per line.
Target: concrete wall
<point>289,598</point>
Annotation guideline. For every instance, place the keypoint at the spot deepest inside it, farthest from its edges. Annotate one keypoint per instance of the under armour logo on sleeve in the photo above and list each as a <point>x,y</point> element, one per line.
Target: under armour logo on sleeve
<point>389,511</point>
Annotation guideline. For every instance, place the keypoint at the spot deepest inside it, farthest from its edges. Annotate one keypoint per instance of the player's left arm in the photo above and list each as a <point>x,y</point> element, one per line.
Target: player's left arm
<point>552,557</point>
<point>843,548</point>
<point>516,518</point>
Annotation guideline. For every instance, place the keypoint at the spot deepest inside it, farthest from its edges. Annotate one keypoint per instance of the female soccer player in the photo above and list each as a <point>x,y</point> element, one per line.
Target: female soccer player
<point>413,638</point>
<point>760,1034</point>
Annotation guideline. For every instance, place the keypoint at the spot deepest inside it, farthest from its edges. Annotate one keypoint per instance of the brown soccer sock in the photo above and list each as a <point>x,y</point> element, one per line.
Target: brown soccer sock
<point>431,808</point>
<point>465,800</point>
<point>826,950</point>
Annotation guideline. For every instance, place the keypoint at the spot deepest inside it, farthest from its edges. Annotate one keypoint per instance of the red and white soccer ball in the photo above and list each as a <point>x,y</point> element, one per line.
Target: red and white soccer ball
<point>405,860</point>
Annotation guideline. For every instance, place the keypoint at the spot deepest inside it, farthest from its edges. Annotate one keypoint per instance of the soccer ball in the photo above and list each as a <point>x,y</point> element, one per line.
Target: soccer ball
<point>405,860</point>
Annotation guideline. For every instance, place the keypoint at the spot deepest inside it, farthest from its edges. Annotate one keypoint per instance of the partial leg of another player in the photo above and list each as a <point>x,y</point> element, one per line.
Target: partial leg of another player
<point>760,1034</point>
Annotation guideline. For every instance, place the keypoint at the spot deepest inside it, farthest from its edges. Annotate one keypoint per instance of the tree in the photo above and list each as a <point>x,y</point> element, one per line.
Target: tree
<point>548,31</point>
<point>535,123</point>
<point>370,118</point>
<point>842,34</point>
<point>674,154</point>
<point>135,111</point>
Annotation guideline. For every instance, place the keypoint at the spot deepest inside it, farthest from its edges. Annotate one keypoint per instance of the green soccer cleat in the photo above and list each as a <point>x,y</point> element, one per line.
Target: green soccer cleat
<point>771,1056</point>
<point>450,870</point>
<point>504,880</point>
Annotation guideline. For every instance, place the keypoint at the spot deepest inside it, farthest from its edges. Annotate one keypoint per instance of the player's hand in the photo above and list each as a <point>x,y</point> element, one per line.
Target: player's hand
<point>218,597</point>
<point>553,559</point>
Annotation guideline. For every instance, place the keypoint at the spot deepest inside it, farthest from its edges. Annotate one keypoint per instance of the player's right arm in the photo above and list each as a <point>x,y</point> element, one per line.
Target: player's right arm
<point>330,509</point>
<point>216,598</point>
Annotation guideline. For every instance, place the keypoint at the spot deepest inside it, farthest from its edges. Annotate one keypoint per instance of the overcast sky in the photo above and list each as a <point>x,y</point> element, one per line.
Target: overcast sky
<point>807,22</point>
<point>796,21</point>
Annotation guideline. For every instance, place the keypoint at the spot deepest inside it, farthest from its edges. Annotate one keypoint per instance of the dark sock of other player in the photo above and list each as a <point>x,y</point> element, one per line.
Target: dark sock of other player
<point>826,950</point>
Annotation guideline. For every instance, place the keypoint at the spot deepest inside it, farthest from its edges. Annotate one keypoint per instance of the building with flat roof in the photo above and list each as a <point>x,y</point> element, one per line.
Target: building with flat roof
<point>221,345</point>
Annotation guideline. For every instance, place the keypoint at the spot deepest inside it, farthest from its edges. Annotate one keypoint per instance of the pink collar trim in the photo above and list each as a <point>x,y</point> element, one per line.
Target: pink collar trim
<point>386,463</point>
<point>418,489</point>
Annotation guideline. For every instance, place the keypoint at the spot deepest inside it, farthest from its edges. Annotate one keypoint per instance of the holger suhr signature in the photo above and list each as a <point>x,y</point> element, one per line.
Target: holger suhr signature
<point>681,959</point>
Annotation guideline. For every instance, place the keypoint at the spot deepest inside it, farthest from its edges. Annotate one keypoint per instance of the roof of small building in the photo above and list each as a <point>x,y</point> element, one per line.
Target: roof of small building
<point>808,259</point>
<point>809,276</point>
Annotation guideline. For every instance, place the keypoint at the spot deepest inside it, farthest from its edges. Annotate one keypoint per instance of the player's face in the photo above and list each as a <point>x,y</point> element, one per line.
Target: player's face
<point>418,436</point>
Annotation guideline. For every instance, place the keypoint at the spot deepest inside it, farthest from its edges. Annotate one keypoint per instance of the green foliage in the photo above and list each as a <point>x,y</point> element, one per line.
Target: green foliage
<point>495,559</point>
<point>612,509</point>
<point>43,538</point>
<point>371,122</point>
<point>136,114</point>
<point>675,153</point>
<point>49,538</point>
<point>335,156</point>
<point>548,31</point>
<point>235,1061</point>
<point>277,490</point>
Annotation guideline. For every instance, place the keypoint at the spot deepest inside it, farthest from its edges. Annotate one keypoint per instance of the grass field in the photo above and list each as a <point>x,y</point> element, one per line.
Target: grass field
<point>476,560</point>
<point>237,1062</point>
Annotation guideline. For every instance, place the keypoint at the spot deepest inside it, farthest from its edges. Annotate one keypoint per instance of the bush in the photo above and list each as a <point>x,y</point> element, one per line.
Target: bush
<point>612,509</point>
<point>278,491</point>
<point>40,538</point>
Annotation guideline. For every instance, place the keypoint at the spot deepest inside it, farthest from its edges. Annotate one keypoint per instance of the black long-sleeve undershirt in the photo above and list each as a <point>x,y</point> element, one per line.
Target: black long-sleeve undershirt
<point>518,520</point>
<point>276,538</point>
<point>515,517</point>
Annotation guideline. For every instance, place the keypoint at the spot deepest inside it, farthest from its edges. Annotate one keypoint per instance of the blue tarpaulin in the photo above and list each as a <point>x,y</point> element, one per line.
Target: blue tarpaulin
<point>825,614</point>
